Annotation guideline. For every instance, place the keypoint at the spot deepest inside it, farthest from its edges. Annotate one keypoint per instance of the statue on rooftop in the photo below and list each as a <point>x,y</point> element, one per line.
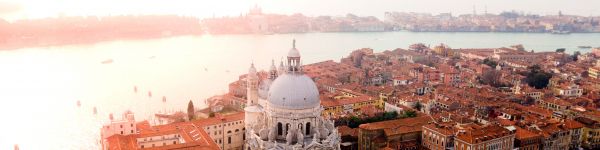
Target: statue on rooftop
<point>289,136</point>
<point>300,137</point>
<point>272,134</point>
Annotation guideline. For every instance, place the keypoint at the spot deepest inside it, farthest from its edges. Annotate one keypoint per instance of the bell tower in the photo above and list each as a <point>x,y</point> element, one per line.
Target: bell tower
<point>252,86</point>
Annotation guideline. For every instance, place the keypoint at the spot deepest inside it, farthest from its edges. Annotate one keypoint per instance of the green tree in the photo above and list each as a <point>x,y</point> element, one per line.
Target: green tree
<point>390,115</point>
<point>492,77</point>
<point>537,78</point>
<point>418,106</point>
<point>409,114</point>
<point>354,122</point>
<point>490,62</point>
<point>575,55</point>
<point>190,110</point>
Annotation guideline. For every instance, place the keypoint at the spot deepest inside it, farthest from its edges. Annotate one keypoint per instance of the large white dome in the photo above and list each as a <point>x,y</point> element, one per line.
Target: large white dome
<point>293,91</point>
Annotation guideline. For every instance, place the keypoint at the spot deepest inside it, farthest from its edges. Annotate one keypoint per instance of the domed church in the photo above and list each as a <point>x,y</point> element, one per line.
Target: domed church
<point>284,111</point>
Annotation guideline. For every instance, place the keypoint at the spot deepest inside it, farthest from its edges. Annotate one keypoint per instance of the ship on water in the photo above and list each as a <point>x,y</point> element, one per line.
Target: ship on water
<point>560,32</point>
<point>108,61</point>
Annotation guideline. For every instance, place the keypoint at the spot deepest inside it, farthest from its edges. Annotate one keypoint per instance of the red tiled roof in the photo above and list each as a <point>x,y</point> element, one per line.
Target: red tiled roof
<point>398,126</point>
<point>480,134</point>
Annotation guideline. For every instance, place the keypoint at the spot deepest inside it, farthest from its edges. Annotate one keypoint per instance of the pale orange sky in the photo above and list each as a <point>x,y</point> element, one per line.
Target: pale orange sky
<point>19,9</point>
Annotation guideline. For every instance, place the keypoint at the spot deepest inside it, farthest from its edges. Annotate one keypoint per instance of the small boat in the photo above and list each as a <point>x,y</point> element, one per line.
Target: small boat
<point>584,46</point>
<point>108,61</point>
<point>560,32</point>
<point>149,94</point>
<point>78,103</point>
<point>95,111</point>
<point>135,89</point>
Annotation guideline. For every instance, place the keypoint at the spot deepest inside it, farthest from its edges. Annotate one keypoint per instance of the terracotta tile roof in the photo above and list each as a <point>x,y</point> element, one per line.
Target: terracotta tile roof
<point>194,137</point>
<point>347,131</point>
<point>572,124</point>
<point>478,134</point>
<point>444,129</point>
<point>121,142</point>
<point>219,119</point>
<point>525,134</point>
<point>398,126</point>
<point>506,122</point>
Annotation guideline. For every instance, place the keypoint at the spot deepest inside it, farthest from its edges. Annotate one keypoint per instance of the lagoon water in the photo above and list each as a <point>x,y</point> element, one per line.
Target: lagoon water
<point>40,87</point>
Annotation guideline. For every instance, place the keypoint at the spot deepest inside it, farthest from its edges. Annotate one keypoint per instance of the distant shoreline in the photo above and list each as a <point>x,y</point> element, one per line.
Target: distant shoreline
<point>84,41</point>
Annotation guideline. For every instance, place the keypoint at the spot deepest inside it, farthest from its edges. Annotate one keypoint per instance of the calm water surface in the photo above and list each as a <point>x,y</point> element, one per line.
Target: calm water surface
<point>39,87</point>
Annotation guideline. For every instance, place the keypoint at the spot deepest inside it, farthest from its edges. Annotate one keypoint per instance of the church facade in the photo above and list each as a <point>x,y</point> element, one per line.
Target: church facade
<point>283,112</point>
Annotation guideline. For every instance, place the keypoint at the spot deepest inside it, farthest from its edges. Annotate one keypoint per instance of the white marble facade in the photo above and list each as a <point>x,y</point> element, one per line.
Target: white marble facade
<point>284,112</point>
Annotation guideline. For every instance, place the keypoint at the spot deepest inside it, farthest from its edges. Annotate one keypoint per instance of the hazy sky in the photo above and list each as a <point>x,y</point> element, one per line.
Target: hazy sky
<point>16,9</point>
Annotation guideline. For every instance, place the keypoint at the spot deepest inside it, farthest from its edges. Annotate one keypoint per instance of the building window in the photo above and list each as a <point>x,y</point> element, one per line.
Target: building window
<point>121,126</point>
<point>174,142</point>
<point>131,125</point>
<point>308,128</point>
<point>279,129</point>
<point>228,140</point>
<point>121,132</point>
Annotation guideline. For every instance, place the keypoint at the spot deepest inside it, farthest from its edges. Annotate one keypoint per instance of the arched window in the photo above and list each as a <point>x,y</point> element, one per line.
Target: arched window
<point>300,127</point>
<point>308,128</point>
<point>279,129</point>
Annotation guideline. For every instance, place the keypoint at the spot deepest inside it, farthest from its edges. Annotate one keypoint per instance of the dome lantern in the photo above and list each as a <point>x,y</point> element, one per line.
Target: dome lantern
<point>293,59</point>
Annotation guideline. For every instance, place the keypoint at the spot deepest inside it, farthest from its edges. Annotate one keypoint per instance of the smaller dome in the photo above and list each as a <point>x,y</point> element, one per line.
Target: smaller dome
<point>273,68</point>
<point>252,70</point>
<point>293,53</point>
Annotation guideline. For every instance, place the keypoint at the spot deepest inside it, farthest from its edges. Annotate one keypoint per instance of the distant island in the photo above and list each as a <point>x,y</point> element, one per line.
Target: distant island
<point>81,30</point>
<point>255,21</point>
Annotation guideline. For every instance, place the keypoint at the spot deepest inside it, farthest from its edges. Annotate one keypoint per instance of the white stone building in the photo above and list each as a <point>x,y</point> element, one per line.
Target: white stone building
<point>286,113</point>
<point>125,126</point>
